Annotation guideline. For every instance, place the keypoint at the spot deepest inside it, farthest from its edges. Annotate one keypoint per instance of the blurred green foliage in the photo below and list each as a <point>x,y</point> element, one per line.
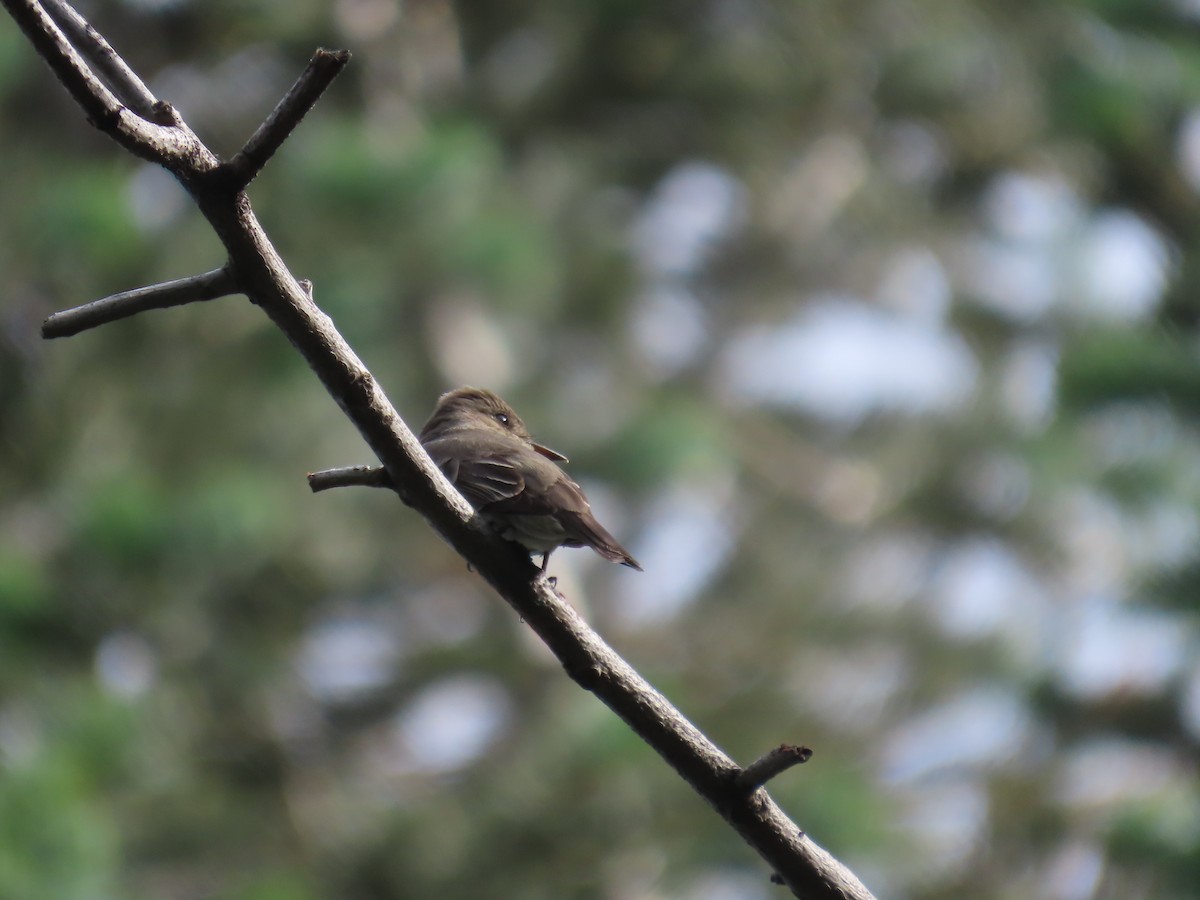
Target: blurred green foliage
<point>868,326</point>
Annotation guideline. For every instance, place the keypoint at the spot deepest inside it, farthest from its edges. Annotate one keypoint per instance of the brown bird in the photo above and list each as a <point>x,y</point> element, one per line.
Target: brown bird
<point>514,484</point>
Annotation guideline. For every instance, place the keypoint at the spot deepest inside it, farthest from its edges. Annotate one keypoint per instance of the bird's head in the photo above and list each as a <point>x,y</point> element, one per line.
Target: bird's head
<point>471,408</point>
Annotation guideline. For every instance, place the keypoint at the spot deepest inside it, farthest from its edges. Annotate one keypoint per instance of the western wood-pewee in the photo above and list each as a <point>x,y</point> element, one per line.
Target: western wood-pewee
<point>514,484</point>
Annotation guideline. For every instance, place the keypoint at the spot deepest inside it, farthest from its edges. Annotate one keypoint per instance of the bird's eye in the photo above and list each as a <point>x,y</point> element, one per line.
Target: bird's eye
<point>502,418</point>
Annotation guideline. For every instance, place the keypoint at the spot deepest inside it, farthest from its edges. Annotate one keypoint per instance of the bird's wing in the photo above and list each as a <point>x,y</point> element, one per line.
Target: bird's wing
<point>532,486</point>
<point>481,481</point>
<point>488,481</point>
<point>549,492</point>
<point>545,490</point>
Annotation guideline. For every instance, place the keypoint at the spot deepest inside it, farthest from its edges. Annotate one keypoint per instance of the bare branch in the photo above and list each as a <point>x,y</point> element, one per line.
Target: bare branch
<point>303,95</point>
<point>122,80</point>
<point>209,286</point>
<point>770,764</point>
<point>98,102</point>
<point>161,137</point>
<point>350,476</point>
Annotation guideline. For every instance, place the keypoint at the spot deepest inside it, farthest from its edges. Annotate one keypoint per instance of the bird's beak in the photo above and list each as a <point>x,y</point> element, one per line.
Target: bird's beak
<point>550,454</point>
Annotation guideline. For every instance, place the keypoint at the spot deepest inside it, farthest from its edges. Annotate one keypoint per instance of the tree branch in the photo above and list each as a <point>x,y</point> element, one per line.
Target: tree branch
<point>256,267</point>
<point>209,286</point>
<point>122,80</point>
<point>325,66</point>
<point>161,137</point>
<point>773,762</point>
<point>351,476</point>
<point>98,102</point>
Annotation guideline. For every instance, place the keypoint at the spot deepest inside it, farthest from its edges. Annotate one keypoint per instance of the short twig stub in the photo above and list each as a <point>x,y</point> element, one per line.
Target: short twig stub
<point>770,764</point>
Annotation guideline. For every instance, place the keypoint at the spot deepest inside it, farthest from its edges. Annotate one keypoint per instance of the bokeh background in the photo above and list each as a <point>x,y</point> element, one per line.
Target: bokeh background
<point>870,328</point>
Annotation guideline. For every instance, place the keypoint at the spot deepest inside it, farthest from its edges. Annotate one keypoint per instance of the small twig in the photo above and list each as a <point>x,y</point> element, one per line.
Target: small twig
<point>303,95</point>
<point>770,764</point>
<point>350,476</point>
<point>122,80</point>
<point>209,286</point>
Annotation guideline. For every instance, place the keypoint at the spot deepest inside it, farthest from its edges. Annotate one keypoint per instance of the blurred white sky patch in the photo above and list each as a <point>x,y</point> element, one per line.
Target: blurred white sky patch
<point>1017,282</point>
<point>469,344</point>
<point>1029,383</point>
<point>155,198</point>
<point>915,284</point>
<point>1123,434</point>
<point>126,664</point>
<point>669,328</point>
<point>1105,648</point>
<point>689,534</point>
<point>589,383</point>
<point>850,687</point>
<point>1106,543</point>
<point>1111,772</point>
<point>913,153</point>
<point>1091,542</point>
<point>841,360</point>
<point>946,820</point>
<point>886,570</point>
<point>1120,270</point>
<point>983,589</point>
<point>450,723</point>
<point>1163,535</point>
<point>996,483</point>
<point>1027,208</point>
<point>343,657</point>
<point>1042,251</point>
<point>981,727</point>
<point>448,611</point>
<point>232,87</point>
<point>693,207</point>
<point>1073,873</point>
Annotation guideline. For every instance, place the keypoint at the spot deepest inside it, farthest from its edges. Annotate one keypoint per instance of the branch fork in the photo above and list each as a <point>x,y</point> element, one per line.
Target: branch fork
<point>120,104</point>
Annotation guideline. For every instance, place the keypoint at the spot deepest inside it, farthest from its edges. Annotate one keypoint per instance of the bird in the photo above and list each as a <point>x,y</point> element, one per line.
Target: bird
<point>515,484</point>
